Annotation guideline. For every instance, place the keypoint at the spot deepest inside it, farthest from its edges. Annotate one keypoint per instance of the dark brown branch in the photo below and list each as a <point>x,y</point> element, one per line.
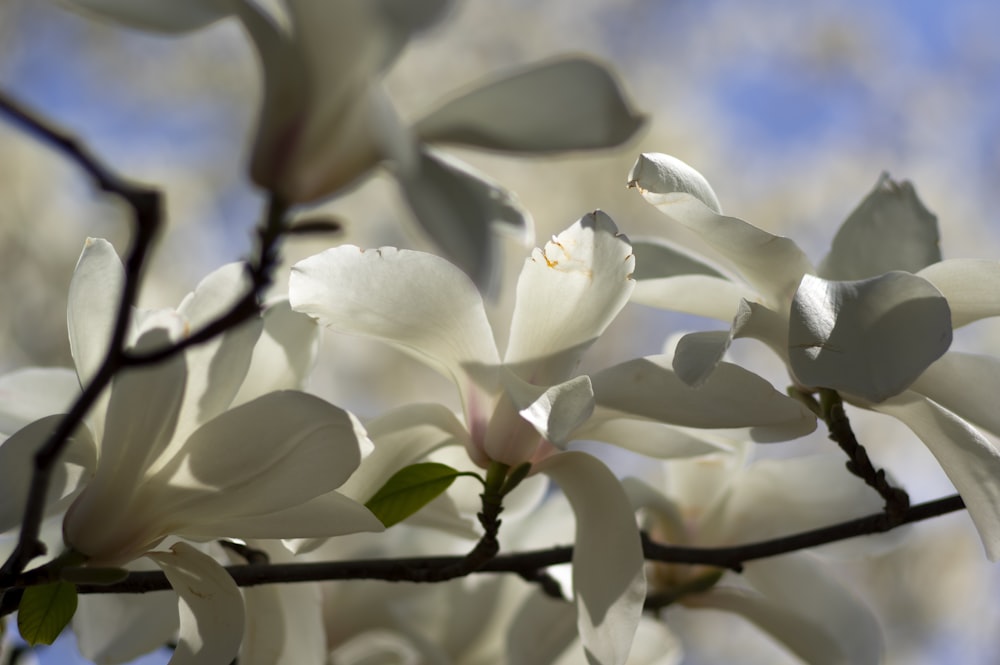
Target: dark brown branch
<point>527,564</point>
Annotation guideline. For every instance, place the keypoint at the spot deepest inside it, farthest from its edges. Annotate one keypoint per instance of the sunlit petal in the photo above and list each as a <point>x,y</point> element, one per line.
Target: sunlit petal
<point>29,394</point>
<point>211,607</point>
<point>567,295</point>
<point>554,412</point>
<point>971,461</point>
<point>870,338</point>
<point>967,385</point>
<point>94,293</point>
<point>608,568</point>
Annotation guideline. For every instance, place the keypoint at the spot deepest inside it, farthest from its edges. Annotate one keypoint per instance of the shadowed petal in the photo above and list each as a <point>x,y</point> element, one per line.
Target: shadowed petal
<point>156,15</point>
<point>966,384</point>
<point>969,286</point>
<point>35,392</point>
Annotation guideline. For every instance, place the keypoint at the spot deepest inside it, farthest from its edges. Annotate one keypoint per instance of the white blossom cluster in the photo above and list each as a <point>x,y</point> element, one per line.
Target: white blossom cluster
<point>217,453</point>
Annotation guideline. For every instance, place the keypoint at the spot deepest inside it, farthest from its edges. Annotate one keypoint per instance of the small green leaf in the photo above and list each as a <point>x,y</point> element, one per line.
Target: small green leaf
<point>410,489</point>
<point>44,611</point>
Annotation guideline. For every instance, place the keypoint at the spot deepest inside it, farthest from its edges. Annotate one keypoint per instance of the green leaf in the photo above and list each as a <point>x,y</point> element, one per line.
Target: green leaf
<point>44,611</point>
<point>410,489</point>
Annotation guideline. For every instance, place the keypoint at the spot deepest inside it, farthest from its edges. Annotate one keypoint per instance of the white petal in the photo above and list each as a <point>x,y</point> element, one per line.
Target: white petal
<point>773,498</point>
<point>94,293</point>
<point>971,461</point>
<point>325,516</point>
<point>29,394</point>
<point>118,628</point>
<point>890,230</point>
<point>731,397</point>
<point>156,15</point>
<point>567,295</point>
<point>698,354</point>
<point>965,384</point>
<point>462,211</point>
<point>542,629</point>
<point>291,447</point>
<point>870,338</point>
<point>17,456</point>
<point>415,301</point>
<point>609,582</point>
<point>216,368</point>
<point>968,286</point>
<point>211,607</point>
<point>771,264</point>
<point>556,412</point>
<point>284,354</point>
<point>646,437</point>
<point>568,104</point>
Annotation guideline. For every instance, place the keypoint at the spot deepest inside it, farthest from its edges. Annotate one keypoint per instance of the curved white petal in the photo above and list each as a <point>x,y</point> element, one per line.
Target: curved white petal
<point>968,286</point>
<point>156,15</point>
<point>462,211</point>
<point>701,295</point>
<point>284,354</point>
<point>216,368</point>
<point>118,628</point>
<point>966,384</point>
<point>17,461</point>
<point>698,354</point>
<point>772,264</point>
<point>566,104</point>
<point>324,516</point>
<point>870,338</point>
<point>890,230</point>
<point>416,301</point>
<point>731,397</point>
<point>210,604</point>
<point>30,394</point>
<point>567,294</point>
<point>971,461</point>
<point>646,437</point>
<point>555,412</point>
<point>609,581</point>
<point>94,293</point>
<point>772,498</point>
<point>290,447</point>
<point>541,630</point>
<point>402,437</point>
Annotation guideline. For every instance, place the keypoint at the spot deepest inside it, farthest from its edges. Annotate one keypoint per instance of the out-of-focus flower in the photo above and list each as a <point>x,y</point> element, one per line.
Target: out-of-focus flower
<point>327,120</point>
<point>189,447</point>
<point>873,321</point>
<point>716,501</point>
<point>530,405</point>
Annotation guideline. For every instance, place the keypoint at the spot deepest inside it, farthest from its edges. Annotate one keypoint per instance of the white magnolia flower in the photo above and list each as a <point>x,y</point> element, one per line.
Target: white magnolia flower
<point>716,501</point>
<point>191,447</point>
<point>327,120</point>
<point>873,321</point>
<point>530,405</point>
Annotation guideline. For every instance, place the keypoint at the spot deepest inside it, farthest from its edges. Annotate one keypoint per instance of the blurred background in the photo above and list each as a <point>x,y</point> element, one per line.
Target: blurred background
<point>790,109</point>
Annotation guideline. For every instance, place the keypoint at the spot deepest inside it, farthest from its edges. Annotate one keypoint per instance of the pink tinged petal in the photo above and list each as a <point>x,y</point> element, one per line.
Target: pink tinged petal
<point>965,384</point>
<point>609,582</point>
<point>217,368</point>
<point>968,284</point>
<point>554,412</point>
<point>402,437</point>
<point>567,295</point>
<point>771,264</point>
<point>210,605</point>
<point>324,516</point>
<point>118,628</point>
<point>284,354</point>
<point>890,230</point>
<point>462,211</point>
<point>94,293</point>
<point>415,301</point>
<point>801,583</point>
<point>156,15</point>
<point>291,447</point>
<point>731,397</point>
<point>542,629</point>
<point>971,461</point>
<point>773,498</point>
<point>566,104</point>
<point>17,460</point>
<point>870,338</point>
<point>30,394</point>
